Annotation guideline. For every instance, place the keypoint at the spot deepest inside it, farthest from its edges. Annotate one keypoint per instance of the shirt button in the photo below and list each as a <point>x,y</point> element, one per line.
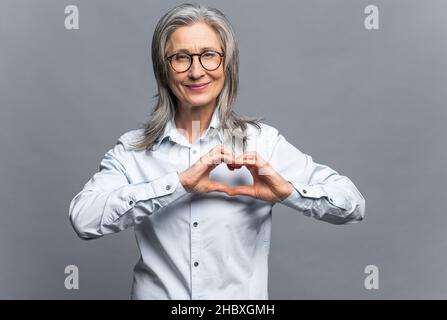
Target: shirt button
<point>194,151</point>
<point>196,264</point>
<point>304,191</point>
<point>131,202</point>
<point>195,224</point>
<point>168,187</point>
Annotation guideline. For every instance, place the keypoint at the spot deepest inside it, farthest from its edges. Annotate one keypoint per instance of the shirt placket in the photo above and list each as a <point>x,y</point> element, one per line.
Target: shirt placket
<point>194,155</point>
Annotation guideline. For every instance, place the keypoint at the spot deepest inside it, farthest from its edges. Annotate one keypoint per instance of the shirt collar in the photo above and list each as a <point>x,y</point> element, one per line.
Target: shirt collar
<point>170,130</point>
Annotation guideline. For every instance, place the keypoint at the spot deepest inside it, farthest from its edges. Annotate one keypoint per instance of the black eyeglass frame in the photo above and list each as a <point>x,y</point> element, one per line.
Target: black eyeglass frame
<point>191,55</point>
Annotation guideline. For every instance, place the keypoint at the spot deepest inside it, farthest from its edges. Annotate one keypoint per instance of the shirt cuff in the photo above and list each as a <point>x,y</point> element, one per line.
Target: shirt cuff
<point>170,188</point>
<point>164,189</point>
<point>292,198</point>
<point>316,191</point>
<point>301,191</point>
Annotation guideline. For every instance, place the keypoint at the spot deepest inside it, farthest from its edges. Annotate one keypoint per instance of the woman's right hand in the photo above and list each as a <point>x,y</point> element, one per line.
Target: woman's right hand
<point>196,178</point>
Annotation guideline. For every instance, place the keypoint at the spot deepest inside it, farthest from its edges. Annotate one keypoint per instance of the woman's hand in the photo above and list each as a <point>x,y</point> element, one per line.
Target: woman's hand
<point>268,185</point>
<point>196,178</point>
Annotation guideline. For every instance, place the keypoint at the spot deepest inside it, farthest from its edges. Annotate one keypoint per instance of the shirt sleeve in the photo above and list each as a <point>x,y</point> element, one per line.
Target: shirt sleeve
<point>108,203</point>
<point>319,191</point>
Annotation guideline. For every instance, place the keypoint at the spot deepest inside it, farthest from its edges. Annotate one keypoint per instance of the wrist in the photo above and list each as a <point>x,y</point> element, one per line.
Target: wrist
<point>181,178</point>
<point>183,181</point>
<point>289,191</point>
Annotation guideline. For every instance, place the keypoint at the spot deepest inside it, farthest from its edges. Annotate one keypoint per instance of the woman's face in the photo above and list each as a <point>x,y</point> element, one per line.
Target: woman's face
<point>193,39</point>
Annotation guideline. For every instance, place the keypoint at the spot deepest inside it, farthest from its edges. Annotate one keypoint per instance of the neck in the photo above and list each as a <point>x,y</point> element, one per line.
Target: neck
<point>185,116</point>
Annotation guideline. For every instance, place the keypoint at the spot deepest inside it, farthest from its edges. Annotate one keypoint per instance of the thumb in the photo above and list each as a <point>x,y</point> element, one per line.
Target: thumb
<point>218,186</point>
<point>242,191</point>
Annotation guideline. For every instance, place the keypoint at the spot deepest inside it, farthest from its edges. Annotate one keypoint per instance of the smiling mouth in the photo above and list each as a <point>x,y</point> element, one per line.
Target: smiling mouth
<point>196,87</point>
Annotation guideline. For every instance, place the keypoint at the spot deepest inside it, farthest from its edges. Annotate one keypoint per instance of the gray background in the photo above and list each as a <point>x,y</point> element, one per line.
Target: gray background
<point>370,104</point>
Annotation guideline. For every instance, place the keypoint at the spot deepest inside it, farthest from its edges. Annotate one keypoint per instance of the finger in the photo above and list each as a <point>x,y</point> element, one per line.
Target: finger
<point>221,149</point>
<point>214,155</point>
<point>218,186</point>
<point>248,154</point>
<point>233,166</point>
<point>217,149</point>
<point>253,155</point>
<point>254,165</point>
<point>242,191</point>
<point>218,159</point>
<point>266,170</point>
<point>230,154</point>
<point>236,163</point>
<point>254,159</point>
<point>245,161</point>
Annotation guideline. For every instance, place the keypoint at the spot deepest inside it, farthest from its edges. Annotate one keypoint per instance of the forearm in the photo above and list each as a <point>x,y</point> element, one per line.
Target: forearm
<point>334,201</point>
<point>95,212</point>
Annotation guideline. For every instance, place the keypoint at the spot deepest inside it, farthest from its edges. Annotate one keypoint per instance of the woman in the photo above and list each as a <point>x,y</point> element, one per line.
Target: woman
<point>203,227</point>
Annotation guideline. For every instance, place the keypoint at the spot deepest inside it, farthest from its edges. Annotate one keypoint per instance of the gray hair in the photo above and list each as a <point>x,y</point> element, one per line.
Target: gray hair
<point>165,109</point>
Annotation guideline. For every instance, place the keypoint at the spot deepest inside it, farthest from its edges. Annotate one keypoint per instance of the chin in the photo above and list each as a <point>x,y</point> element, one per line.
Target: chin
<point>200,102</point>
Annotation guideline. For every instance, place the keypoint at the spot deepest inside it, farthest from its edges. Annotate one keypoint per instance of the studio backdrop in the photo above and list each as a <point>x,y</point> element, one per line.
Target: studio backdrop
<point>358,85</point>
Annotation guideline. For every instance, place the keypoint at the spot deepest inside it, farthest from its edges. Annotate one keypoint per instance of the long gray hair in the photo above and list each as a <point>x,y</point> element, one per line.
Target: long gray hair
<point>165,109</point>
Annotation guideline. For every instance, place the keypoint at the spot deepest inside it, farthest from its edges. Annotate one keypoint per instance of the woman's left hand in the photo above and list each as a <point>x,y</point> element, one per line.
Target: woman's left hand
<point>268,185</point>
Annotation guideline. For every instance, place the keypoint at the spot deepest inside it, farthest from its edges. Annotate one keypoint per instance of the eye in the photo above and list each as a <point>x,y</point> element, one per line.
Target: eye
<point>181,57</point>
<point>209,54</point>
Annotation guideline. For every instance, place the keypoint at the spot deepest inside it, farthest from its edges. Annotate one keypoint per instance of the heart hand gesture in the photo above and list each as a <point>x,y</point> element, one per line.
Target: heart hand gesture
<point>268,184</point>
<point>196,178</point>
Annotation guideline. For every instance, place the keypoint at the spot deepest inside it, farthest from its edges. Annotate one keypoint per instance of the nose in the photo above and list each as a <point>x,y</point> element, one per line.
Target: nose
<point>196,71</point>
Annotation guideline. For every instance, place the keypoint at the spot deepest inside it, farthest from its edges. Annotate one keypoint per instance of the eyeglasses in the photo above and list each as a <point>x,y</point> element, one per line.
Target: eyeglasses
<point>181,62</point>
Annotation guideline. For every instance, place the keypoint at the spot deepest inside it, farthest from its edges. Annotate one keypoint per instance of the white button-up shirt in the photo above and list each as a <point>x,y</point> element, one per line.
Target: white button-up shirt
<point>209,245</point>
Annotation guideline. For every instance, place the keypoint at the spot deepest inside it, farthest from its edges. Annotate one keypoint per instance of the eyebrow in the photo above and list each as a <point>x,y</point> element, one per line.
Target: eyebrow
<point>201,50</point>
